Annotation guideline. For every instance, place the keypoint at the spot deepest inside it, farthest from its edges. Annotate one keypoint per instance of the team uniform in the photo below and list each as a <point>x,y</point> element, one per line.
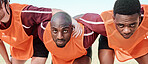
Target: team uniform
<point>30,18</point>
<point>84,41</point>
<point>94,26</point>
<point>94,21</point>
<point>103,41</point>
<point>126,49</point>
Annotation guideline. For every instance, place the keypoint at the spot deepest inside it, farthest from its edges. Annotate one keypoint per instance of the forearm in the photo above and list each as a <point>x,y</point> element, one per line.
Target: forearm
<point>3,52</point>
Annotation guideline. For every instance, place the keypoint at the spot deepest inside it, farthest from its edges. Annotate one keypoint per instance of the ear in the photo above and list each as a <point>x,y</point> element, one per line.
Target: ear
<point>73,28</point>
<point>140,17</point>
<point>113,17</point>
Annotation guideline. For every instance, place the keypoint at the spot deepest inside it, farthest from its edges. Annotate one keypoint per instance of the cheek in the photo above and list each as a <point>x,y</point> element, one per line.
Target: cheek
<point>67,36</point>
<point>54,36</point>
<point>120,30</point>
<point>134,29</point>
<point>1,14</point>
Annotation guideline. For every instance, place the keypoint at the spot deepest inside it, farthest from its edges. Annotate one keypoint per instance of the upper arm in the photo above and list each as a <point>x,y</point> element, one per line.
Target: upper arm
<point>78,16</point>
<point>34,15</point>
<point>41,29</point>
<point>93,22</point>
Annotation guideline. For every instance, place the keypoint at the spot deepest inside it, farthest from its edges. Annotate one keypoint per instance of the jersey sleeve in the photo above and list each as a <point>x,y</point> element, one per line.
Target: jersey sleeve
<point>41,29</point>
<point>35,15</point>
<point>93,26</point>
<point>32,17</point>
<point>93,22</point>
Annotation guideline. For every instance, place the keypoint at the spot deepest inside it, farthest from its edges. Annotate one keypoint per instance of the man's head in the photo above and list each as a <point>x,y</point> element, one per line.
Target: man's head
<point>61,28</point>
<point>127,16</point>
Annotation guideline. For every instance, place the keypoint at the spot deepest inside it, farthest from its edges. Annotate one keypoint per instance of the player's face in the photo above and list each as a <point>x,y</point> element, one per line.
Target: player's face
<point>61,33</point>
<point>126,24</point>
<point>2,13</point>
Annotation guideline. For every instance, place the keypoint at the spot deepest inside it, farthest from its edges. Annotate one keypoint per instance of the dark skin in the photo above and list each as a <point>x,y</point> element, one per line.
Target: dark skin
<point>1,10</point>
<point>127,24</point>
<point>61,29</point>
<point>4,16</point>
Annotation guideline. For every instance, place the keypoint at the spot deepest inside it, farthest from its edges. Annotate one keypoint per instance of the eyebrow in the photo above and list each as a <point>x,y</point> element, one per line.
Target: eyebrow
<point>133,23</point>
<point>119,23</point>
<point>62,27</point>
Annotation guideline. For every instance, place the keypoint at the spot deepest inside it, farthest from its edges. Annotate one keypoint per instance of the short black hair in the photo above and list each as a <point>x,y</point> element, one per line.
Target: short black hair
<point>127,7</point>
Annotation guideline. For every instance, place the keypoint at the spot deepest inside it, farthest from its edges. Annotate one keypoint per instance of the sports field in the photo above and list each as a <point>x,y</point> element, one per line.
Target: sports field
<point>94,56</point>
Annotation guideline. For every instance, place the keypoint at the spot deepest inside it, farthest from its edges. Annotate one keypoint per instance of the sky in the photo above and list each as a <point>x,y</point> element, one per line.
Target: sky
<point>74,7</point>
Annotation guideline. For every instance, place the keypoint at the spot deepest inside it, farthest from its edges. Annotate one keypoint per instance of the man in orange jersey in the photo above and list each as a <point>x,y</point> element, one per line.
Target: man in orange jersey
<point>19,26</point>
<point>127,30</point>
<point>123,8</point>
<point>64,48</point>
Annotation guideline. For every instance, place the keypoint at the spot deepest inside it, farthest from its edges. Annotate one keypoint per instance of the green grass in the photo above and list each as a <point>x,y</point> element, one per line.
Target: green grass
<point>94,56</point>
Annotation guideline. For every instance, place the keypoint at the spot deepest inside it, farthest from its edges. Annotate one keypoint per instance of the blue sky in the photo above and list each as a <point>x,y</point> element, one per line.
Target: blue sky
<point>74,7</point>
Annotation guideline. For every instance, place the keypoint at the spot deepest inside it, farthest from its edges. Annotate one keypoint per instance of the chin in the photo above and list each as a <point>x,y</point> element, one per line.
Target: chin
<point>60,46</point>
<point>126,37</point>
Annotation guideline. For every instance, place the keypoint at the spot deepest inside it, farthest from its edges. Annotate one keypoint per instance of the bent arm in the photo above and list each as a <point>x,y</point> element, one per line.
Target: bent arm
<point>93,22</point>
<point>3,52</point>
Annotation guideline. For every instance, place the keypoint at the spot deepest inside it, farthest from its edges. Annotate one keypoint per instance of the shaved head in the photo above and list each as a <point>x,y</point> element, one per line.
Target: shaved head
<point>61,17</point>
<point>61,28</point>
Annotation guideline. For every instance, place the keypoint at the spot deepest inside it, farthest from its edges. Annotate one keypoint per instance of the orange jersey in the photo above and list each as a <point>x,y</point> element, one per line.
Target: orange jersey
<point>66,55</point>
<point>133,47</point>
<point>21,45</point>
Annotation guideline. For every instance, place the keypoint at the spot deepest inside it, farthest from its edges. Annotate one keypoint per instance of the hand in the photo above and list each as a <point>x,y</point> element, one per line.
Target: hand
<point>77,30</point>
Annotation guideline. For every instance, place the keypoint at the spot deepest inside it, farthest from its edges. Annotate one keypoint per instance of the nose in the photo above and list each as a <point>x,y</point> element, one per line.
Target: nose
<point>60,35</point>
<point>126,30</point>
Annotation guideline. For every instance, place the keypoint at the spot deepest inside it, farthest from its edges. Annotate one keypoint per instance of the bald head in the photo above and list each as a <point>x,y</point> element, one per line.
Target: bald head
<point>61,28</point>
<point>61,18</point>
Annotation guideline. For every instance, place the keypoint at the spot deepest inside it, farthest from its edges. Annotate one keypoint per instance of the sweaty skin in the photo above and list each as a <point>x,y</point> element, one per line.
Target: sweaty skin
<point>127,24</point>
<point>61,28</point>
